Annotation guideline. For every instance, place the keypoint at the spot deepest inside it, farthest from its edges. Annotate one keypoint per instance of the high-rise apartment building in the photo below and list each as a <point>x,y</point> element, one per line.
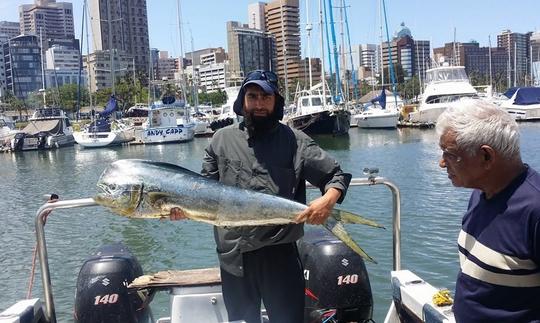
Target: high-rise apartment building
<point>48,18</point>
<point>98,64</point>
<point>517,47</point>
<point>167,66</point>
<point>9,29</point>
<point>256,18</point>
<point>128,21</point>
<point>62,67</point>
<point>249,49</point>
<point>283,22</point>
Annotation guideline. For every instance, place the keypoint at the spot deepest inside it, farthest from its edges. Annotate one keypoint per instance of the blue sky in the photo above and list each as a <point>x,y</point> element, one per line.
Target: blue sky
<point>432,20</point>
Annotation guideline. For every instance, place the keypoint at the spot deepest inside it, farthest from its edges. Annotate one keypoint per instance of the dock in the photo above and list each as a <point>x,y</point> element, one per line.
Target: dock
<point>421,125</point>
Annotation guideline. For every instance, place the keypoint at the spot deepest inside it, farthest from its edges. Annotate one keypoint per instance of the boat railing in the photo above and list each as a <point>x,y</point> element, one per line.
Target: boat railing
<point>44,211</point>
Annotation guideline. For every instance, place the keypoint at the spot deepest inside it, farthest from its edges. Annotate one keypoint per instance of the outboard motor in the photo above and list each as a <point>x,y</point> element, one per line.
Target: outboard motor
<point>102,294</point>
<point>18,141</point>
<point>42,140</point>
<point>337,283</point>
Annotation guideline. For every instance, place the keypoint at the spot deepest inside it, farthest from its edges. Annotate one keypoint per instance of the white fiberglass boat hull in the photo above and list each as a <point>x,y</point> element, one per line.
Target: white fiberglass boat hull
<point>376,118</point>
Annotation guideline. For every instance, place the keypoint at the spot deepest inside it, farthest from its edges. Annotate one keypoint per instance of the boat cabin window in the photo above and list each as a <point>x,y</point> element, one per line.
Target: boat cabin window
<point>316,101</point>
<point>446,98</point>
<point>305,102</point>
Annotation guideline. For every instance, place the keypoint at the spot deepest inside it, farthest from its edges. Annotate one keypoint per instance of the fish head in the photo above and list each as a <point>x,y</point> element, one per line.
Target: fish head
<point>120,189</point>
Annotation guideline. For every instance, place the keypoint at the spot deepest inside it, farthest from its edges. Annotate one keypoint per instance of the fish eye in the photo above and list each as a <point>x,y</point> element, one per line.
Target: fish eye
<point>112,187</point>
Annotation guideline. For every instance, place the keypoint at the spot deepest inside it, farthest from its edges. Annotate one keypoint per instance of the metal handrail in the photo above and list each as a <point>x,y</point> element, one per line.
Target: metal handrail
<point>396,210</point>
<point>41,215</point>
<point>47,208</point>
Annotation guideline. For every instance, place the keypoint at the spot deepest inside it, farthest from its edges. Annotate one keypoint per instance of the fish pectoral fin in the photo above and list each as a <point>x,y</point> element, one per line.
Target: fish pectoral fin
<point>348,217</point>
<point>339,231</point>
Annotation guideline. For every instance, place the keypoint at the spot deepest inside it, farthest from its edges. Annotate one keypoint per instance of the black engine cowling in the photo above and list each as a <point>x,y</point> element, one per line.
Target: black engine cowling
<point>102,294</point>
<point>337,282</point>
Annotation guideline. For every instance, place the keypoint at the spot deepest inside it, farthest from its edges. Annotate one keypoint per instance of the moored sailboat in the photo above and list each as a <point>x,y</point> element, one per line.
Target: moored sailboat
<point>103,131</point>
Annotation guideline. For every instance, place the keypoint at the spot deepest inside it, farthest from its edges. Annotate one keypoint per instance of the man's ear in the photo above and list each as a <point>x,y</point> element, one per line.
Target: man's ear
<point>488,154</point>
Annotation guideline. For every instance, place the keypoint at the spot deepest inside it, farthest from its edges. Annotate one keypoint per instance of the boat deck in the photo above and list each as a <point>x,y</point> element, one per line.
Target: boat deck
<point>177,278</point>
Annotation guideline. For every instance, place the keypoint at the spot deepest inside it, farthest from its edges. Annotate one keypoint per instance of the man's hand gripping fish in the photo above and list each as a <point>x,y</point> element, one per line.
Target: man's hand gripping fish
<point>146,189</point>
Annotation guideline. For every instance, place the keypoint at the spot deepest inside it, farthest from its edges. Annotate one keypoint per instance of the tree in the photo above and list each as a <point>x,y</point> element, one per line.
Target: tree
<point>410,89</point>
<point>15,103</point>
<point>399,74</point>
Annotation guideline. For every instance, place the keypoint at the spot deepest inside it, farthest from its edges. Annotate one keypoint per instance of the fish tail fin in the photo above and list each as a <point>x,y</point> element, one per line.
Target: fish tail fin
<point>348,217</point>
<point>337,229</point>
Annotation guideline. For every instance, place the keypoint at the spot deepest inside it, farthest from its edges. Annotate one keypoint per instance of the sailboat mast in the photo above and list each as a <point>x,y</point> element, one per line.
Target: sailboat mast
<point>321,36</point>
<point>343,66</point>
<point>381,41</point>
<point>111,55</point>
<point>195,91</point>
<point>515,63</point>
<point>490,67</point>
<point>284,52</point>
<point>181,39</point>
<point>42,67</point>
<point>308,30</point>
<point>88,54</point>
<point>338,93</point>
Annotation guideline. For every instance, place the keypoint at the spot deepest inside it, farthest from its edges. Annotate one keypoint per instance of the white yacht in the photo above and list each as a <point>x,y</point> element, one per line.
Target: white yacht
<point>6,130</point>
<point>48,128</point>
<point>103,131</point>
<point>168,121</point>
<point>523,103</point>
<point>444,87</point>
<point>380,112</point>
<point>315,115</point>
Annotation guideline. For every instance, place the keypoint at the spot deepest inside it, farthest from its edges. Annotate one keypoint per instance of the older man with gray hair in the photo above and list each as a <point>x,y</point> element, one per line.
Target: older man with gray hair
<point>499,242</point>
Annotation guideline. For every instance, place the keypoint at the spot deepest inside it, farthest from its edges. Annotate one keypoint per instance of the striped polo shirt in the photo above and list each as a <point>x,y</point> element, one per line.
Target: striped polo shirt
<point>499,249</point>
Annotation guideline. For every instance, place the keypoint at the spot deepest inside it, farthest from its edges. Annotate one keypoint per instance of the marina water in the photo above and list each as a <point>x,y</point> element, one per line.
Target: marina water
<point>431,212</point>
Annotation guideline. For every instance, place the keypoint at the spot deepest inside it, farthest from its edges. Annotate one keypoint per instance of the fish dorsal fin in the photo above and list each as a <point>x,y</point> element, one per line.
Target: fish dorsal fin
<point>164,165</point>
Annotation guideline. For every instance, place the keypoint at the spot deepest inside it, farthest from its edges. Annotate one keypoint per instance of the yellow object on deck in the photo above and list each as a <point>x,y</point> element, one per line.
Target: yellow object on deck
<point>442,298</point>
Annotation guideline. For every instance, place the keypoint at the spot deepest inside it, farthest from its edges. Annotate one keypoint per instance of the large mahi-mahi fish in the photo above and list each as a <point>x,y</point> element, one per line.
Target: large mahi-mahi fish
<point>146,189</point>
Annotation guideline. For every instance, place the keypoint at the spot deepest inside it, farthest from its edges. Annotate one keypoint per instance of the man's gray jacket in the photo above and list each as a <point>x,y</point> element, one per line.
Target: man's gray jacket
<point>278,162</point>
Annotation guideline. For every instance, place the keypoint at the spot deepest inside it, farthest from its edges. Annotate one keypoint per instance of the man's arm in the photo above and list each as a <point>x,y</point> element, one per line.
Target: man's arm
<point>320,208</point>
<point>324,172</point>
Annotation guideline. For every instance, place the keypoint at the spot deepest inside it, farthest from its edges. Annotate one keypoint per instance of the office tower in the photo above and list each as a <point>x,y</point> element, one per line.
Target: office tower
<point>22,61</point>
<point>249,49</point>
<point>48,18</point>
<point>256,19</point>
<point>128,22</point>
<point>412,55</point>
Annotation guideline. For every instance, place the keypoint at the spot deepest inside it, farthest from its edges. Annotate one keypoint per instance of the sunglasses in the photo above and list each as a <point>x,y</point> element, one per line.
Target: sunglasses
<point>268,76</point>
